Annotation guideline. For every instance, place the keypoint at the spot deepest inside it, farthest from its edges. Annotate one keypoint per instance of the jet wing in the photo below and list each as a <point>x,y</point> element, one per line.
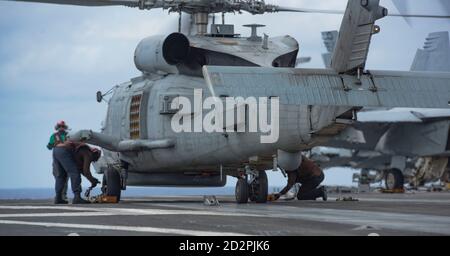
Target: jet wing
<point>329,39</point>
<point>431,114</point>
<point>404,115</point>
<point>382,89</point>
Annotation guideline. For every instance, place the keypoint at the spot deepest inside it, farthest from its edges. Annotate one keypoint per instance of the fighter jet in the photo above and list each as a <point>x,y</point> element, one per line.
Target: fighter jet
<point>142,148</point>
<point>401,145</point>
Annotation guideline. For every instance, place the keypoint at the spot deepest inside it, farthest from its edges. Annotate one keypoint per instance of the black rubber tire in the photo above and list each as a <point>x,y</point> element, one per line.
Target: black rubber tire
<point>113,187</point>
<point>263,188</point>
<point>242,191</point>
<point>394,179</point>
<point>103,188</point>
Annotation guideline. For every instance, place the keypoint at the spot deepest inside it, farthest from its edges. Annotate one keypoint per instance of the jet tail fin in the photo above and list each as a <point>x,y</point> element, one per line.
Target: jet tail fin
<point>329,39</point>
<point>356,32</point>
<point>435,55</point>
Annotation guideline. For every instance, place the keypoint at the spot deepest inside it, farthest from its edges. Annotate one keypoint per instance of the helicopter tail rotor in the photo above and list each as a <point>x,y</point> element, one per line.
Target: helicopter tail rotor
<point>402,6</point>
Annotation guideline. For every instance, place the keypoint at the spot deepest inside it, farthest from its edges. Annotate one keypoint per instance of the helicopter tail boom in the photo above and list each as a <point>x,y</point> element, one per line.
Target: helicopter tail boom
<point>325,87</point>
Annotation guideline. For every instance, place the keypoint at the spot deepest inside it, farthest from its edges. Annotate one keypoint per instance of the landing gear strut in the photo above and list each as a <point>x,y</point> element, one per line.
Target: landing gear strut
<point>254,186</point>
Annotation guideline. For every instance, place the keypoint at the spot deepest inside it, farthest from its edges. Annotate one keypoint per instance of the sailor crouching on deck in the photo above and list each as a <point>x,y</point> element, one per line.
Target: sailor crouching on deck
<point>84,156</point>
<point>310,176</point>
<point>64,165</point>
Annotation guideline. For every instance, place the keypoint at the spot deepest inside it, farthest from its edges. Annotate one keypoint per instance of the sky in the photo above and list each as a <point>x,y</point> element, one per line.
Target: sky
<point>53,59</point>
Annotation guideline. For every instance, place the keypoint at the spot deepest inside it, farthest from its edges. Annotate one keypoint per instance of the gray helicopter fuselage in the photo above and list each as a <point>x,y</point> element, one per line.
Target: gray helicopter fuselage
<point>205,152</point>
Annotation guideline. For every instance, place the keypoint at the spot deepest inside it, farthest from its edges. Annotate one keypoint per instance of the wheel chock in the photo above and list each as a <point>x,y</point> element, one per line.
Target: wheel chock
<point>103,199</point>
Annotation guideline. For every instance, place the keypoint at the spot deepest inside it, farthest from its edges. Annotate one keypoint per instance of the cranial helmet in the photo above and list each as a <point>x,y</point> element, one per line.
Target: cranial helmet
<point>61,124</point>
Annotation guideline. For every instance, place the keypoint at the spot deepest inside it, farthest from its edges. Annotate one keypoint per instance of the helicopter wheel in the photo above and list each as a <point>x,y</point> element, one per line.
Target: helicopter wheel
<point>242,191</point>
<point>111,184</point>
<point>394,179</point>
<point>259,189</point>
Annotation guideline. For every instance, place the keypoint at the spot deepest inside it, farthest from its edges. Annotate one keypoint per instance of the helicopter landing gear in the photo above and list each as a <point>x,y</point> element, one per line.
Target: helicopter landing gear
<point>252,185</point>
<point>241,191</point>
<point>394,179</point>
<point>112,184</point>
<point>115,180</point>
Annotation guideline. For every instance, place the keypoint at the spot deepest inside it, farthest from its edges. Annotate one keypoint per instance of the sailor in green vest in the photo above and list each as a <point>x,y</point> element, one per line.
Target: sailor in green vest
<point>64,165</point>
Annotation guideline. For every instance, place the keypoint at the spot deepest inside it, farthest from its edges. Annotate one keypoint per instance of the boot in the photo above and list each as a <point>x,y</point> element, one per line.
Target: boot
<point>78,200</point>
<point>59,200</point>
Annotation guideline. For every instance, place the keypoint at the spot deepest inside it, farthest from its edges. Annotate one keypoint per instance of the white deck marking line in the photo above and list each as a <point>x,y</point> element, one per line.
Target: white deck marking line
<point>184,232</point>
<point>55,207</point>
<point>386,220</point>
<point>56,214</point>
<point>132,211</point>
<point>112,212</point>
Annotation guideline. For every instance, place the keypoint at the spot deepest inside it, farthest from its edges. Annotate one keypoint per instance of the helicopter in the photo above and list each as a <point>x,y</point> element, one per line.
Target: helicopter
<point>141,147</point>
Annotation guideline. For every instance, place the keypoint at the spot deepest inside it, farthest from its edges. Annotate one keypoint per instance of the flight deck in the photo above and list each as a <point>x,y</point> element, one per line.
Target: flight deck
<point>373,214</point>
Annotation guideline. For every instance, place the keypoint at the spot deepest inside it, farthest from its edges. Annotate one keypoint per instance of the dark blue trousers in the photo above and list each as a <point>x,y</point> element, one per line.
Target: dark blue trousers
<point>309,190</point>
<point>66,166</point>
<point>57,171</point>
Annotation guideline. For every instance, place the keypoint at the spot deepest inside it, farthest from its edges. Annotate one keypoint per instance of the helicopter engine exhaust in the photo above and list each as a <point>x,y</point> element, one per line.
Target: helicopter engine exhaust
<point>161,53</point>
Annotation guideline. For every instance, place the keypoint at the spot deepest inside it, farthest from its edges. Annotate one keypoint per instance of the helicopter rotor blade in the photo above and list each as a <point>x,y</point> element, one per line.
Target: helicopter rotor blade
<point>445,4</point>
<point>404,7</point>
<point>256,7</point>
<point>304,10</point>
<point>129,3</point>
<point>421,16</point>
